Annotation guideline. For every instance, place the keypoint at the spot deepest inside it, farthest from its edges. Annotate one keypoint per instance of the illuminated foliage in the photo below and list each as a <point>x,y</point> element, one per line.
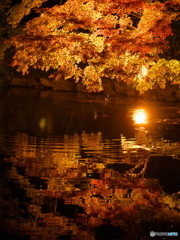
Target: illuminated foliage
<point>88,40</point>
<point>18,11</point>
<point>160,74</point>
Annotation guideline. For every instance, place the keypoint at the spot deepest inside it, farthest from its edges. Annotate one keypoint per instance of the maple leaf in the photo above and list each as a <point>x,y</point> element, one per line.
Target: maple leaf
<point>18,11</point>
<point>88,39</point>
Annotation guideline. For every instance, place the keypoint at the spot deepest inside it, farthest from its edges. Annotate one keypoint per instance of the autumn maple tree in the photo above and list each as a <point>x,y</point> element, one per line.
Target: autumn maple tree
<point>87,40</point>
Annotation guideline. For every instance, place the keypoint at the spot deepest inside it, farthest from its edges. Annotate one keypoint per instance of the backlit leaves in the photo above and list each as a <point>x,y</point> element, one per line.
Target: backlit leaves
<point>159,74</point>
<point>92,79</point>
<point>165,71</point>
<point>18,11</point>
<point>95,33</point>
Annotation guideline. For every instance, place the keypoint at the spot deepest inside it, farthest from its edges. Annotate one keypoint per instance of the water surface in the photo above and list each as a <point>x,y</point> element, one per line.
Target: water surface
<point>81,166</point>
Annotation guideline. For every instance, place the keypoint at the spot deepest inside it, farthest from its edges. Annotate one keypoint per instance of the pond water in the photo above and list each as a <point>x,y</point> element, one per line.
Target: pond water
<point>87,167</point>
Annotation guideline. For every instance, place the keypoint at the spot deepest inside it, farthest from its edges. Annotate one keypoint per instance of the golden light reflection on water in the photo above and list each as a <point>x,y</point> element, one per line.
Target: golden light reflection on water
<point>57,171</point>
<point>42,123</point>
<point>140,116</point>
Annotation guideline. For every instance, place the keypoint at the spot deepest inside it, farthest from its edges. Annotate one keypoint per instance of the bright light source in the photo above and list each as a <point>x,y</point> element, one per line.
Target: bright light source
<point>140,116</point>
<point>144,71</point>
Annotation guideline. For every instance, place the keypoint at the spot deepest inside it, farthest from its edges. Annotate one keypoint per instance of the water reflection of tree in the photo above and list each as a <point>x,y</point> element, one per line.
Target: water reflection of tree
<point>105,195</point>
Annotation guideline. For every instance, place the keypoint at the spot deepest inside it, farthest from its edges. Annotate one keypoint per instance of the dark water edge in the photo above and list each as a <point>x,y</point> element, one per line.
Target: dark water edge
<point>67,167</point>
<point>39,81</point>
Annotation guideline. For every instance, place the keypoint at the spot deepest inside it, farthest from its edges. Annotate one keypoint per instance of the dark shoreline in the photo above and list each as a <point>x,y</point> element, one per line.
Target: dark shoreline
<point>111,88</point>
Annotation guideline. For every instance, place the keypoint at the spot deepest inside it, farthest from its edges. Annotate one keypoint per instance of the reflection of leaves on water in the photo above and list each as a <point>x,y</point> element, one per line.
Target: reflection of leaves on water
<point>80,195</point>
<point>112,198</point>
<point>168,121</point>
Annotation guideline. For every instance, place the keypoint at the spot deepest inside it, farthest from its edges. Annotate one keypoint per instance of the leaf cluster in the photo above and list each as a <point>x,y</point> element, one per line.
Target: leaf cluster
<point>101,35</point>
<point>160,74</point>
